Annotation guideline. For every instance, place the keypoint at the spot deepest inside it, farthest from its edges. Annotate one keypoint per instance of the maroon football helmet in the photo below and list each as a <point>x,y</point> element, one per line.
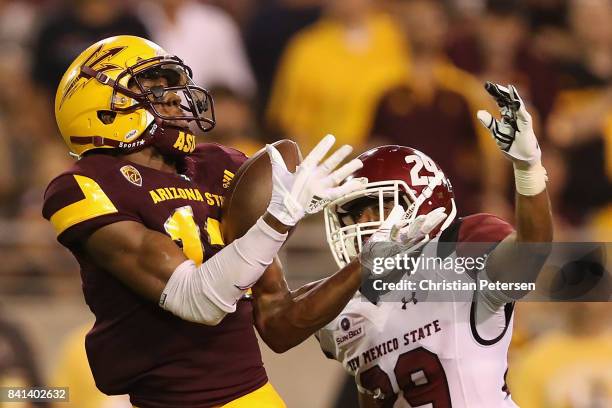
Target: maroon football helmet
<point>396,174</point>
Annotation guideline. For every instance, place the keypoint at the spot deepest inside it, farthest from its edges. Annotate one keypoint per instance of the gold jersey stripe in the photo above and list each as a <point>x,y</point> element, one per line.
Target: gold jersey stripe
<point>95,204</point>
<point>213,227</point>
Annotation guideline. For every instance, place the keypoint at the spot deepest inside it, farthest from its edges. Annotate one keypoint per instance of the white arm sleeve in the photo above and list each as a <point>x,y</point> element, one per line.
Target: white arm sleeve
<point>205,294</point>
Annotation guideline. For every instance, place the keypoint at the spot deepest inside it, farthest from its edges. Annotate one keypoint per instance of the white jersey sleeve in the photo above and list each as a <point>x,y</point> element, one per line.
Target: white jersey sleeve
<point>325,336</point>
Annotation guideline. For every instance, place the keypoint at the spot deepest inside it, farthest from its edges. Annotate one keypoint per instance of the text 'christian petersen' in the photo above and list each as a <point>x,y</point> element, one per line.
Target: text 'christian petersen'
<point>445,285</point>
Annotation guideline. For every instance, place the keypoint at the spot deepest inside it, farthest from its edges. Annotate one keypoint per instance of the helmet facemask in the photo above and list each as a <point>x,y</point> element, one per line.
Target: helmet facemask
<point>169,133</point>
<point>346,238</point>
<point>196,103</point>
<point>344,233</point>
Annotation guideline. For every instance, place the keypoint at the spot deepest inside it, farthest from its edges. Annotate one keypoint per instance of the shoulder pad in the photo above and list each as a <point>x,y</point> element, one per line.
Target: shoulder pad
<point>72,198</point>
<point>483,227</point>
<point>79,203</point>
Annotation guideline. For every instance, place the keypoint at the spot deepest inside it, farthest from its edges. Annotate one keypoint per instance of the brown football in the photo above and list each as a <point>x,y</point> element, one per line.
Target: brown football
<point>249,194</point>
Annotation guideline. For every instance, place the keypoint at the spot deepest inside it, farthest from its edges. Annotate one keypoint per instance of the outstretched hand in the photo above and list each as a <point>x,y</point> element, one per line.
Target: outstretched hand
<point>513,133</point>
<point>293,193</point>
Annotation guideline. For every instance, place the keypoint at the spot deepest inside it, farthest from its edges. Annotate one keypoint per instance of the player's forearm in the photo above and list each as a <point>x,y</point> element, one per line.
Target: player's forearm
<point>306,288</point>
<point>520,256</point>
<point>310,308</point>
<point>533,218</point>
<point>205,294</point>
<point>533,214</point>
<point>318,306</point>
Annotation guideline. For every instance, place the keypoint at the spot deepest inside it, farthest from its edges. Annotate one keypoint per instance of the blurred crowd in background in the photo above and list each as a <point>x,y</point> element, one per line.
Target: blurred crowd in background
<point>372,72</point>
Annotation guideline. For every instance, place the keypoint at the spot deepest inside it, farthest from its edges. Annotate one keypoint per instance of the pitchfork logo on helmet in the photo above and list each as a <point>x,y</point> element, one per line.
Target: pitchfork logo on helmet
<point>99,61</point>
<point>101,101</point>
<point>396,175</point>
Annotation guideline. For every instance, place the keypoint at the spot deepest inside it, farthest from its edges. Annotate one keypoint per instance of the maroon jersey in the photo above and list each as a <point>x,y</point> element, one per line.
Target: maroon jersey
<point>135,347</point>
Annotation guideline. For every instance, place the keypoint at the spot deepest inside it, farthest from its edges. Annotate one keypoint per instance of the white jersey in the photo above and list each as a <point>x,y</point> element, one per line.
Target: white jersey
<point>437,354</point>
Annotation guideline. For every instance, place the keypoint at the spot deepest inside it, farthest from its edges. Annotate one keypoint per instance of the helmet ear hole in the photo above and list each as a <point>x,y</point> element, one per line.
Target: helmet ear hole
<point>107,117</point>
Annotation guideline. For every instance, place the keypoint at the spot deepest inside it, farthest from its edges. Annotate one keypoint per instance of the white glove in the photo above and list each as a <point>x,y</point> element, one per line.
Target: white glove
<point>514,132</point>
<point>292,193</point>
<point>380,244</point>
<point>395,237</point>
<point>416,234</point>
<point>515,137</point>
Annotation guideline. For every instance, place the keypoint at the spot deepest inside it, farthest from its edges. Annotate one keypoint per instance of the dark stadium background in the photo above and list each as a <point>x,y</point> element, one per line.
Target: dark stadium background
<point>296,69</point>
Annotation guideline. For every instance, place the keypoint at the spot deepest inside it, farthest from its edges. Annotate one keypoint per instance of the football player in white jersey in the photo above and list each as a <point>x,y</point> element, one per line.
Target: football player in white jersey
<point>450,350</point>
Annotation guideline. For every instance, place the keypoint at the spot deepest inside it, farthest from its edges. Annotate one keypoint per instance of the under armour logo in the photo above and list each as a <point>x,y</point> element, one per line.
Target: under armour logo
<point>412,299</point>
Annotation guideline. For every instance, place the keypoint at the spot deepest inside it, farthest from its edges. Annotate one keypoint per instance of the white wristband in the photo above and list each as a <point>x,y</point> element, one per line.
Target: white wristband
<point>532,181</point>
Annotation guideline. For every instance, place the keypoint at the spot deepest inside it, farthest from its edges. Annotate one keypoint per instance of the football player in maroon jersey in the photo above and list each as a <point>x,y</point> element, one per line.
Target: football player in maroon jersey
<point>141,209</point>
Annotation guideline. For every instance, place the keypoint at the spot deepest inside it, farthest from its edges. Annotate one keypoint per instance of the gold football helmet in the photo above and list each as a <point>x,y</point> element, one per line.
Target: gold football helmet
<point>101,103</point>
